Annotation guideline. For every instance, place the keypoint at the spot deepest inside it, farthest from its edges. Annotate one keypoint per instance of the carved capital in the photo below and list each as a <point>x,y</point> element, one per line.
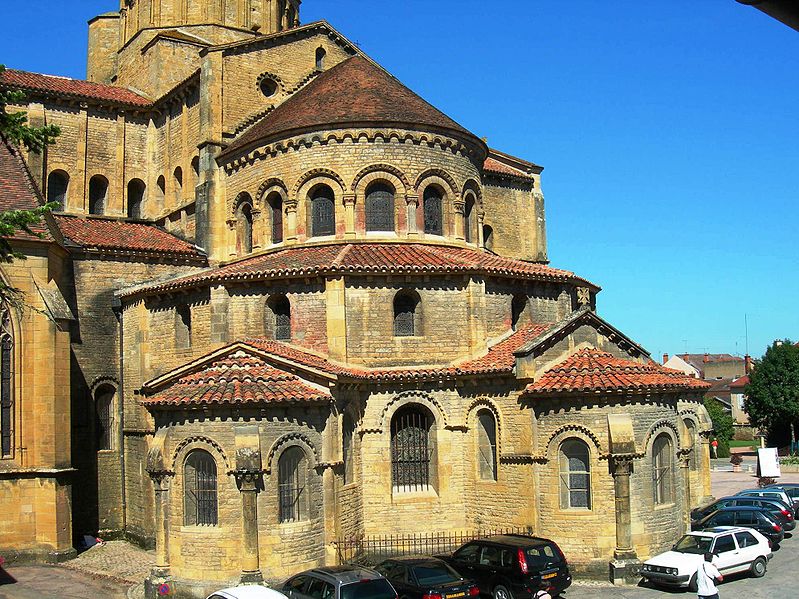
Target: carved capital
<point>459,205</point>
<point>622,465</point>
<point>290,205</point>
<point>247,479</point>
<point>349,199</point>
<point>161,479</point>
<point>231,223</point>
<point>412,199</point>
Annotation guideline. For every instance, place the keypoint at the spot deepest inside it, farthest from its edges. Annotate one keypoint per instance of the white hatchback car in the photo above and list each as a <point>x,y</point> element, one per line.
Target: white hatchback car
<point>250,591</point>
<point>735,549</point>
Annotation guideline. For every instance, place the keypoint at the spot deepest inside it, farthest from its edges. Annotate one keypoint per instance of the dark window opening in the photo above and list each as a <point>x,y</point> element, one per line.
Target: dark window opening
<point>104,403</point>
<point>57,186</point>
<point>183,327</point>
<point>487,445</point>
<point>320,59</point>
<point>488,237</point>
<point>6,386</point>
<point>433,216</point>
<point>275,202</point>
<point>136,190</point>
<point>380,208</point>
<point>268,87</point>
<point>323,212</point>
<point>662,471</point>
<point>98,191</point>
<point>468,218</point>
<point>517,308</point>
<point>292,485</point>
<point>575,475</point>
<point>411,449</point>
<point>199,481</point>
<point>406,304</point>
<point>244,225</point>
<point>281,311</point>
<point>346,448</point>
<point>177,178</point>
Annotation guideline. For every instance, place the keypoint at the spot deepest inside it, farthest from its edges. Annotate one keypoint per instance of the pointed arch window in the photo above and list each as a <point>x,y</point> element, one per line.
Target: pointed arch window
<point>244,224</point>
<point>433,215</point>
<point>412,449</point>
<point>280,310</point>
<point>487,445</point>
<point>136,190</point>
<point>98,191</point>
<point>407,314</point>
<point>6,384</point>
<point>200,489</point>
<point>575,475</point>
<point>57,186</point>
<point>323,211</point>
<point>275,201</point>
<point>662,470</point>
<point>379,207</point>
<point>293,485</point>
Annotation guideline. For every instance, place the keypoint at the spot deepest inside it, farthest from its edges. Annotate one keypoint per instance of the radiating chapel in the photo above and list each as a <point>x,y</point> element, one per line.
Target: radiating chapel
<point>284,303</point>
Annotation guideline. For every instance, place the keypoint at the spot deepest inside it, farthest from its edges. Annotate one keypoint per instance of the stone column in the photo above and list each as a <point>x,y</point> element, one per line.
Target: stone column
<point>411,208</point>
<point>257,234</point>
<point>161,481</point>
<point>349,215</point>
<point>481,217</point>
<point>233,249</point>
<point>459,206</point>
<point>250,560</point>
<point>625,565</point>
<point>685,471</point>
<point>291,220</point>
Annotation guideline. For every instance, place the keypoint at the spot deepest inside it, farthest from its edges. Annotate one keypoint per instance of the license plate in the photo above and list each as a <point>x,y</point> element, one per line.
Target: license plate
<point>454,595</point>
<point>548,576</point>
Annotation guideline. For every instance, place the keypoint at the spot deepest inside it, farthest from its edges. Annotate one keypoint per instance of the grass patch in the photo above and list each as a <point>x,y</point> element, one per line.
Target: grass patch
<point>750,444</point>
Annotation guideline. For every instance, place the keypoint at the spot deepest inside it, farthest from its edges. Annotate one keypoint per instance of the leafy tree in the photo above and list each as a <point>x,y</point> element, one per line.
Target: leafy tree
<point>14,125</point>
<point>722,426</point>
<point>772,395</point>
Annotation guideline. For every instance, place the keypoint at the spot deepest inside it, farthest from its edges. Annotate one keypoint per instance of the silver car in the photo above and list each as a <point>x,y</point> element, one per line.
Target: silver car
<point>773,492</point>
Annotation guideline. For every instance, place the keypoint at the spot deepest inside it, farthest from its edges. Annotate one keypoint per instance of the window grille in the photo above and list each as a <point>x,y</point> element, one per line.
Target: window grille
<point>487,445</point>
<point>292,485</point>
<point>276,209</point>
<point>405,315</point>
<point>105,417</point>
<point>575,475</point>
<point>323,213</point>
<point>200,500</point>
<point>380,208</point>
<point>6,386</point>
<point>432,212</point>
<point>281,310</point>
<point>410,450</point>
<point>662,473</point>
<point>57,184</point>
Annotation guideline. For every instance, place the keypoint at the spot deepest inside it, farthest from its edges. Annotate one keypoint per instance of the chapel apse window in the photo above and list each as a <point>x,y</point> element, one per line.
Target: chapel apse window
<point>280,310</point>
<point>662,470</point>
<point>244,220</point>
<point>200,489</point>
<point>57,186</point>
<point>293,485</point>
<point>406,314</point>
<point>104,404</point>
<point>98,192</point>
<point>323,212</point>
<point>468,219</point>
<point>275,201</point>
<point>411,449</point>
<point>320,59</point>
<point>183,327</point>
<point>380,207</point>
<point>487,445</point>
<point>161,184</point>
<point>6,384</point>
<point>575,475</point>
<point>433,216</point>
<point>136,190</point>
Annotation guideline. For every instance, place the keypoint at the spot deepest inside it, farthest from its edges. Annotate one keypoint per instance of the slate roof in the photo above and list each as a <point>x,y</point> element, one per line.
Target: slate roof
<point>75,88</point>
<point>595,371</point>
<point>366,258</point>
<point>17,189</point>
<point>92,233</point>
<point>238,378</point>
<point>353,91</point>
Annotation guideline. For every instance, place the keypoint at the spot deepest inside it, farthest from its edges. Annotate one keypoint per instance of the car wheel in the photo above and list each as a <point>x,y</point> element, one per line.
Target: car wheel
<point>758,567</point>
<point>501,592</point>
<point>692,584</point>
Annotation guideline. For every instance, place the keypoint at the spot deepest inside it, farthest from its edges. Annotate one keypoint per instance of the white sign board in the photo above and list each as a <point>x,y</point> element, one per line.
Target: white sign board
<point>768,462</point>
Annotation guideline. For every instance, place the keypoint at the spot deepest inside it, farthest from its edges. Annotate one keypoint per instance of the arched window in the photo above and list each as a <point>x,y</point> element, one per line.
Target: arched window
<point>280,311</point>
<point>694,456</point>
<point>177,181</point>
<point>244,225</point>
<point>662,470</point>
<point>468,219</point>
<point>487,445</point>
<point>6,384</point>
<point>379,207</point>
<point>407,314</point>
<point>517,308</point>
<point>183,327</point>
<point>275,201</point>
<point>412,449</point>
<point>161,186</point>
<point>323,211</point>
<point>57,186</point>
<point>199,489</point>
<point>293,485</point>
<point>433,216</point>
<point>104,403</point>
<point>348,432</point>
<point>195,171</point>
<point>98,190</point>
<point>575,475</point>
<point>320,59</point>
<point>136,189</point>
<point>488,237</point>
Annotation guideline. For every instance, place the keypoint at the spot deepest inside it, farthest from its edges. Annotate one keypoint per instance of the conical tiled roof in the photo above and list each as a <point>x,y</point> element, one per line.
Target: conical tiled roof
<point>353,91</point>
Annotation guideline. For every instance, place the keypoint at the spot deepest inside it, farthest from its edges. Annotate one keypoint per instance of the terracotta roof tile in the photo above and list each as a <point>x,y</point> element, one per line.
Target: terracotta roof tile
<point>108,234</point>
<point>594,371</point>
<point>17,189</point>
<point>368,258</point>
<point>239,378</point>
<point>740,383</point>
<point>77,88</point>
<point>492,165</point>
<point>353,91</point>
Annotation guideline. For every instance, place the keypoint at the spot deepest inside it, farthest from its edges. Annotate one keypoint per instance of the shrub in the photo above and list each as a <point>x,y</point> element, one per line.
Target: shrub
<point>765,481</point>
<point>736,459</point>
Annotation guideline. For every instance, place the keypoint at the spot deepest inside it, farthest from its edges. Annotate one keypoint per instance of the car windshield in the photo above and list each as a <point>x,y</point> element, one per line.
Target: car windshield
<point>542,555</point>
<point>693,544</point>
<point>368,589</point>
<point>431,574</point>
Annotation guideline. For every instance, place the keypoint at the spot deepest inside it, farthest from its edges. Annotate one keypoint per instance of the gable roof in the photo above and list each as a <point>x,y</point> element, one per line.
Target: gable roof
<point>502,164</point>
<point>18,190</point>
<point>355,91</point>
<point>594,371</point>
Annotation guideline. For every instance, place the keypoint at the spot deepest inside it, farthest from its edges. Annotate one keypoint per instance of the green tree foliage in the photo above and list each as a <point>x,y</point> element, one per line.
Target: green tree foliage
<point>14,125</point>
<point>772,395</point>
<point>722,426</point>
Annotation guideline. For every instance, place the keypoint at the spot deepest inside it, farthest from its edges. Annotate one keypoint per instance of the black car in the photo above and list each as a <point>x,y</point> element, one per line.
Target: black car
<point>749,517</point>
<point>782,513</point>
<point>426,578</point>
<point>512,566</point>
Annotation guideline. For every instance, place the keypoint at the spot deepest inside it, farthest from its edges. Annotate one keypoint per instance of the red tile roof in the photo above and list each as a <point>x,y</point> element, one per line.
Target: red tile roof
<point>238,378</point>
<point>492,165</point>
<point>17,189</point>
<point>355,91</point>
<point>75,88</point>
<point>369,258</point>
<point>595,371</point>
<point>740,383</point>
<point>94,233</point>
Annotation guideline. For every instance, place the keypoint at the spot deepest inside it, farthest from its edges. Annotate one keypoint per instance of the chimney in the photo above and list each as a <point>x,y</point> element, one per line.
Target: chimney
<point>706,359</point>
<point>665,358</point>
<point>747,364</point>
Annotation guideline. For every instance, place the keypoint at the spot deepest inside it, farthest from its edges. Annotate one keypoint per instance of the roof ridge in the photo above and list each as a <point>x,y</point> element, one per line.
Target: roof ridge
<point>345,250</point>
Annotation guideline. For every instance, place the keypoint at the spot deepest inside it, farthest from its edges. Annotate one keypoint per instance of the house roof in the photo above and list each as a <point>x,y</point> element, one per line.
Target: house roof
<point>697,360</point>
<point>93,233</point>
<point>355,91</point>
<point>740,382</point>
<point>236,378</point>
<point>365,258</point>
<point>595,371</point>
<point>74,88</point>
<point>18,190</point>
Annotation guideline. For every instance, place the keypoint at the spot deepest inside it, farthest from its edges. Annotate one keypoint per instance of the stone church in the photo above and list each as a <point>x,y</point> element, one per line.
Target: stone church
<point>284,303</point>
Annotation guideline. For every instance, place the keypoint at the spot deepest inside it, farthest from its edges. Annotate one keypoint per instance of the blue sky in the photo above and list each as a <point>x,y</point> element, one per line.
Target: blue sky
<point>668,131</point>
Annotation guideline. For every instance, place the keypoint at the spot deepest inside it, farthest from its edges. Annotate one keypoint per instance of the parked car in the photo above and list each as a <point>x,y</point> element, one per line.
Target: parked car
<point>426,578</point>
<point>735,549</point>
<point>248,592</point>
<point>339,582</point>
<point>791,489</point>
<point>512,566</point>
<point>752,517</point>
<point>781,512</point>
<point>774,493</point>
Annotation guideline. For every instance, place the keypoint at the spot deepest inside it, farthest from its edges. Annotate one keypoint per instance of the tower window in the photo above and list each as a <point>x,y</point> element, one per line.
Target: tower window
<point>98,191</point>
<point>57,186</point>
<point>433,211</point>
<point>468,219</point>
<point>379,207</point>
<point>323,211</point>
<point>136,190</point>
<point>320,59</point>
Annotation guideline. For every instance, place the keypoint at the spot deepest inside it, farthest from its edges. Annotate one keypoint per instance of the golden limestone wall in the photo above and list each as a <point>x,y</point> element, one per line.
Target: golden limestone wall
<point>515,212</point>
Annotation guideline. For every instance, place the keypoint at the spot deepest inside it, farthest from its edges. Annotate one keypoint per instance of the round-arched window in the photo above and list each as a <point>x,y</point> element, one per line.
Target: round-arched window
<point>412,449</point>
<point>433,216</point>
<point>379,207</point>
<point>293,485</point>
<point>199,489</point>
<point>575,474</point>
<point>323,211</point>
<point>662,470</point>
